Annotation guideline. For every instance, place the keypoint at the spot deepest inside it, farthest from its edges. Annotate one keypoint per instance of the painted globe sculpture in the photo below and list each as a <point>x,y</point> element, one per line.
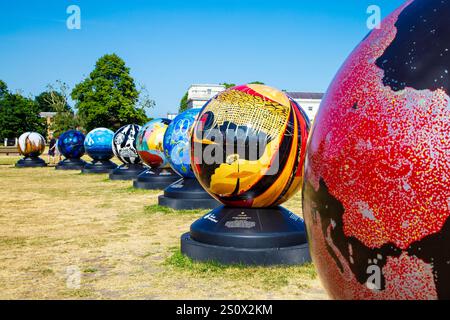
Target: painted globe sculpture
<point>124,144</point>
<point>71,144</point>
<point>248,147</point>
<point>177,142</point>
<point>377,181</point>
<point>150,143</point>
<point>31,144</point>
<point>98,144</point>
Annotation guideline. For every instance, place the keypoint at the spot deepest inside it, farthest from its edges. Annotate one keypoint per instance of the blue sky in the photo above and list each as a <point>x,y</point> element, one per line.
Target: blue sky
<point>170,44</point>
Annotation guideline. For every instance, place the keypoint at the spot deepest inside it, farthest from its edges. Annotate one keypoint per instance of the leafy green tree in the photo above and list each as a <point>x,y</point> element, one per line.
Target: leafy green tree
<point>3,89</point>
<point>109,97</point>
<point>228,85</point>
<point>183,103</point>
<point>18,114</point>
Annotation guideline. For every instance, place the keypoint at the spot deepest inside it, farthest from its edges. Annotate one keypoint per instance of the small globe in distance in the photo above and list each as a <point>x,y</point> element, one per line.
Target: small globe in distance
<point>31,144</point>
<point>150,143</point>
<point>71,144</point>
<point>98,144</point>
<point>177,142</point>
<point>124,144</point>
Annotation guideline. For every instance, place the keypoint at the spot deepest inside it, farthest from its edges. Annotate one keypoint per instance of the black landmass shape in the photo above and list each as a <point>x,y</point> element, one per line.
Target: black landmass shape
<point>419,56</point>
<point>434,249</point>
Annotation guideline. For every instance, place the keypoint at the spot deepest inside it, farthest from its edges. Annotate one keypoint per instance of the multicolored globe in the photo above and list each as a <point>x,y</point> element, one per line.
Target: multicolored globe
<point>31,144</point>
<point>177,142</point>
<point>150,143</point>
<point>248,147</point>
<point>377,183</point>
<point>98,144</point>
<point>71,144</point>
<point>124,144</point>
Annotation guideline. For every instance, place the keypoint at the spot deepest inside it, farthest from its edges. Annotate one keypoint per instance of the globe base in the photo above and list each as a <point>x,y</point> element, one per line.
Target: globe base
<point>187,194</point>
<point>127,171</point>
<point>269,236</point>
<point>31,162</point>
<point>99,166</point>
<point>71,164</point>
<point>157,179</point>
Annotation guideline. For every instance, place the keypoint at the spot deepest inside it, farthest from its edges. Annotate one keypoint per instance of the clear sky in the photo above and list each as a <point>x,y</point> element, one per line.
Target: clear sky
<point>294,45</point>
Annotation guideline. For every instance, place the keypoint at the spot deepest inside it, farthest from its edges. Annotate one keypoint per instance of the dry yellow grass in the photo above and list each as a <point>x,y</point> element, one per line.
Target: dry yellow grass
<point>124,246</point>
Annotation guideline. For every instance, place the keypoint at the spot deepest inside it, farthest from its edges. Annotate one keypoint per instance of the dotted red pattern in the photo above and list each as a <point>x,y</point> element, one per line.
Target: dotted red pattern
<point>407,278</point>
<point>383,154</point>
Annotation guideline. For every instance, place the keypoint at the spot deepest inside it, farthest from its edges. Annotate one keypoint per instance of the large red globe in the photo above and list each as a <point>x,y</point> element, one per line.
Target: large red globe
<point>376,196</point>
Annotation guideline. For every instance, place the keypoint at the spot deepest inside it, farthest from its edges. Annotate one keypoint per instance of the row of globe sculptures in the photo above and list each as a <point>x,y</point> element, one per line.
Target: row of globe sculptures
<point>376,175</point>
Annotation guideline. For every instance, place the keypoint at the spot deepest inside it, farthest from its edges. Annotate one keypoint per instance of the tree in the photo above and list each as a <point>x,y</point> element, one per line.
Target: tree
<point>56,99</point>
<point>3,89</point>
<point>183,103</point>
<point>44,99</point>
<point>109,97</point>
<point>18,114</point>
<point>228,85</point>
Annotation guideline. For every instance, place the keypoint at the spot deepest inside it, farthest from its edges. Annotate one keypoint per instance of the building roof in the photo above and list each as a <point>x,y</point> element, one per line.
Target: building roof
<point>207,85</point>
<point>306,95</point>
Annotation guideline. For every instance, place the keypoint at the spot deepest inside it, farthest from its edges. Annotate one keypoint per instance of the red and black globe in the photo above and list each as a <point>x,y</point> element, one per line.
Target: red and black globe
<point>376,195</point>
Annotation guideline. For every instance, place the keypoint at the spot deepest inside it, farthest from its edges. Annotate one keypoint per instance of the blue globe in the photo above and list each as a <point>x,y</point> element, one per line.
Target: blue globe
<point>71,144</point>
<point>177,142</point>
<point>98,144</point>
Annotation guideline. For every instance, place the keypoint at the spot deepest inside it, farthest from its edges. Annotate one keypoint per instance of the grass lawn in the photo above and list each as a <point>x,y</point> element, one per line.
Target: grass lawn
<point>55,225</point>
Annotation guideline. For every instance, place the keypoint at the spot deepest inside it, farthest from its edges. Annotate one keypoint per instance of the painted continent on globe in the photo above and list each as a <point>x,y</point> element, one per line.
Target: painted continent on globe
<point>377,182</point>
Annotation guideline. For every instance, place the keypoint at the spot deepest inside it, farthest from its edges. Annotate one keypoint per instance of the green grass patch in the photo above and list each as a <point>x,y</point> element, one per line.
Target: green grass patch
<point>13,241</point>
<point>180,261</point>
<point>47,272</point>
<point>8,160</point>
<point>267,278</point>
<point>133,190</point>
<point>160,209</point>
<point>90,270</point>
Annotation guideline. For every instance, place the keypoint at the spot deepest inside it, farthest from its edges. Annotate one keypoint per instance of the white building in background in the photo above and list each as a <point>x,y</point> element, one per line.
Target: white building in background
<point>309,101</point>
<point>199,94</point>
<point>171,115</point>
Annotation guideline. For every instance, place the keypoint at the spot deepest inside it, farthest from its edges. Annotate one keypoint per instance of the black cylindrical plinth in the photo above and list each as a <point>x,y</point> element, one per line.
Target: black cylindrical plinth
<point>31,162</point>
<point>71,164</point>
<point>157,179</point>
<point>100,166</point>
<point>127,172</point>
<point>187,194</point>
<point>269,236</point>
